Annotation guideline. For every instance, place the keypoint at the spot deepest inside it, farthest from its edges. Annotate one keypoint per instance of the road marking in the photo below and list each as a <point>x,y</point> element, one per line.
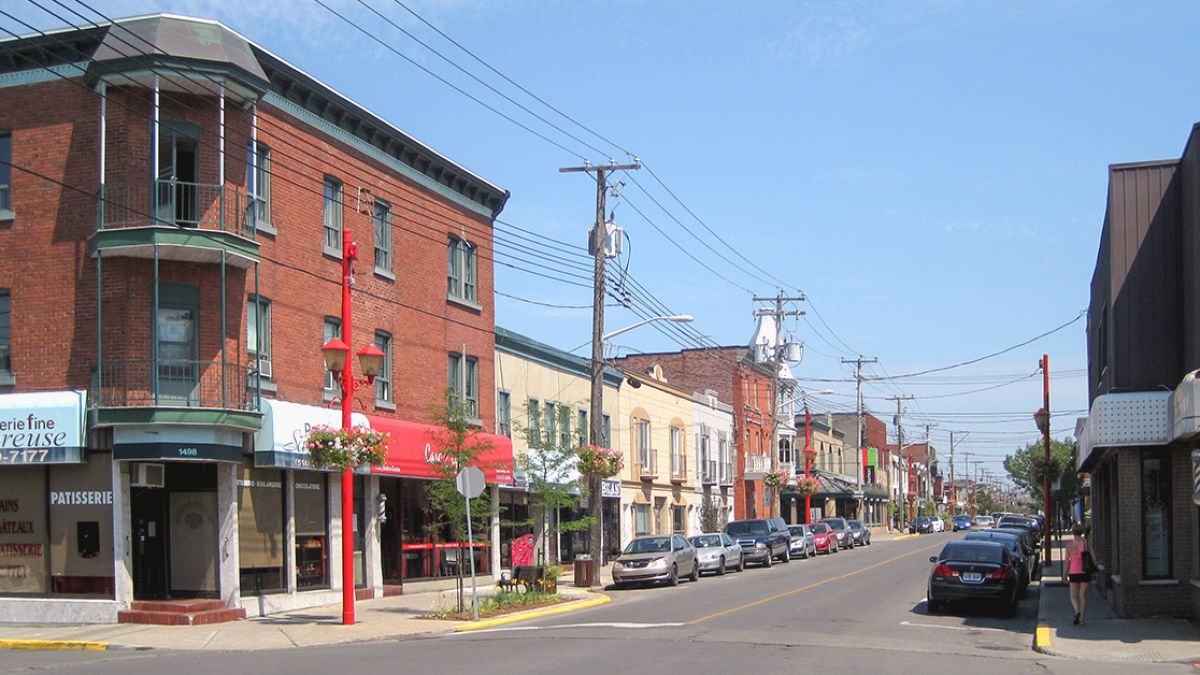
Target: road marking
<point>53,644</point>
<point>1041,637</point>
<point>815,584</point>
<point>616,624</point>
<point>969,629</point>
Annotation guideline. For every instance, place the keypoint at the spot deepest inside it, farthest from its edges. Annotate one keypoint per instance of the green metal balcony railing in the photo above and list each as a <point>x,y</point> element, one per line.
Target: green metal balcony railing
<point>174,383</point>
<point>176,203</point>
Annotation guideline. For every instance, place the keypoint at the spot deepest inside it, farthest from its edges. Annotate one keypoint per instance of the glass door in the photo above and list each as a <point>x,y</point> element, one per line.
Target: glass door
<point>176,197</point>
<point>176,370</point>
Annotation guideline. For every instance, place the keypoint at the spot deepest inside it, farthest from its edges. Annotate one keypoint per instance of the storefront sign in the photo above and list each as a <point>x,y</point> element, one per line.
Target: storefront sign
<point>610,487</point>
<point>196,451</point>
<point>412,451</point>
<point>81,498</point>
<point>280,442</point>
<point>42,428</point>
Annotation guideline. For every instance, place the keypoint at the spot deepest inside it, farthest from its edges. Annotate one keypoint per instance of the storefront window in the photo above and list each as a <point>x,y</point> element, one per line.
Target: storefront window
<point>56,528</point>
<point>427,549</point>
<point>1156,514</point>
<point>312,535</point>
<point>260,529</point>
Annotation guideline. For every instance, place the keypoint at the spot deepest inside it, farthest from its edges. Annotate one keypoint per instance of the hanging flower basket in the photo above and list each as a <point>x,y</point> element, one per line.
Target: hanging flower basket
<point>341,449</point>
<point>807,486</point>
<point>597,461</point>
<point>775,479</point>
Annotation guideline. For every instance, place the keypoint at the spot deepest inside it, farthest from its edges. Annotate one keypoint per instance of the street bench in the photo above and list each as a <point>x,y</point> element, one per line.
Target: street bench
<point>524,578</point>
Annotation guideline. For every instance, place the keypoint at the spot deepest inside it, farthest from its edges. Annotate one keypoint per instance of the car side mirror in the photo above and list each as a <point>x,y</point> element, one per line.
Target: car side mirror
<point>933,558</point>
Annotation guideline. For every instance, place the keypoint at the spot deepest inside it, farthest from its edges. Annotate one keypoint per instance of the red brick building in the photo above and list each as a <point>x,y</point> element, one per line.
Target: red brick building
<point>171,236</point>
<point>732,373</point>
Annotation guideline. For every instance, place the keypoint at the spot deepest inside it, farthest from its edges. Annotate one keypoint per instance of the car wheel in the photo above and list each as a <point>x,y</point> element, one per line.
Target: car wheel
<point>721,566</point>
<point>619,586</point>
<point>787,555</point>
<point>933,607</point>
<point>673,578</point>
<point>769,560</point>
<point>741,564</point>
<point>695,572</point>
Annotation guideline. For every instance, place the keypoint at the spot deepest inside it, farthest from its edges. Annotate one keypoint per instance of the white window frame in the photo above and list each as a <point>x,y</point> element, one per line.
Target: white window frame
<point>461,281</point>
<point>383,381</point>
<point>470,397</point>
<point>382,219</point>
<point>332,210</point>
<point>6,153</point>
<point>331,328</point>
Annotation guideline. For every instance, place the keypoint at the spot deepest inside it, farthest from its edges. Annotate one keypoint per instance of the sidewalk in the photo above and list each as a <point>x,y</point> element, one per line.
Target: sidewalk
<point>1105,637</point>
<point>391,618</point>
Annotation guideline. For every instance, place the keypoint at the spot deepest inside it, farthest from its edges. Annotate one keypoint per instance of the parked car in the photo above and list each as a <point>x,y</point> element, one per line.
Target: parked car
<point>962,523</point>
<point>982,522</point>
<point>842,529</point>
<point>1022,562</point>
<point>824,538</point>
<point>972,571</point>
<point>651,559</point>
<point>802,541</point>
<point>762,539</point>
<point>860,532</point>
<point>937,524</point>
<point>718,552</point>
<point>920,525</point>
<point>1030,541</point>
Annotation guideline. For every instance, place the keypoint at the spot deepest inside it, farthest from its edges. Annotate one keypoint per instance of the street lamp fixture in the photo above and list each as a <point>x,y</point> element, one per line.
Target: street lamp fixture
<point>676,318</point>
<point>1042,417</point>
<point>370,359</point>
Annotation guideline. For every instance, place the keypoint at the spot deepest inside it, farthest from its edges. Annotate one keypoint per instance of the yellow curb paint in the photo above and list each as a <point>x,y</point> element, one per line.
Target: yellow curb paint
<point>785,594</point>
<point>905,536</point>
<point>53,644</point>
<point>1041,638</point>
<point>600,599</point>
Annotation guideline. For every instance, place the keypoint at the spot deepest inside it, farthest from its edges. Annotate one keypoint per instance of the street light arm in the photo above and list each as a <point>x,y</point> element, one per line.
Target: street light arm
<point>677,318</point>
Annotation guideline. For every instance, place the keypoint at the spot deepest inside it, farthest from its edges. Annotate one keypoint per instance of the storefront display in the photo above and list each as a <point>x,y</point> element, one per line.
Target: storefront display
<point>260,498</point>
<point>312,535</point>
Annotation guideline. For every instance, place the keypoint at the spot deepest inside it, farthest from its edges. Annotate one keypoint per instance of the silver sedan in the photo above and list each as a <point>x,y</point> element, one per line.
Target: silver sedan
<point>718,552</point>
<point>650,559</point>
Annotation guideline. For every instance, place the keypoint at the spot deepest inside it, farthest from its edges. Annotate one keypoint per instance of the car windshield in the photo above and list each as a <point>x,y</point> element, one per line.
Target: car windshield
<point>797,530</point>
<point>706,541</point>
<point>856,524</point>
<point>968,553</point>
<point>820,528</point>
<point>1008,540</point>
<point>835,524</point>
<point>741,527</point>
<point>649,545</point>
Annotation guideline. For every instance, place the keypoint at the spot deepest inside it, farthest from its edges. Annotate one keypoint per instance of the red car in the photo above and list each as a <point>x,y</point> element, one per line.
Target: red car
<point>824,538</point>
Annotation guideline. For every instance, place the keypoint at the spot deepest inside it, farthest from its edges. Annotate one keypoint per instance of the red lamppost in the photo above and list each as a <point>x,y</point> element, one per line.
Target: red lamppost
<point>1042,417</point>
<point>809,452</point>
<point>370,359</point>
<point>912,490</point>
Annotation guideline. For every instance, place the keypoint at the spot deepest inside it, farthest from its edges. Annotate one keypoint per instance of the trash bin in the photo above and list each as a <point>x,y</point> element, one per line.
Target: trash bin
<point>585,571</point>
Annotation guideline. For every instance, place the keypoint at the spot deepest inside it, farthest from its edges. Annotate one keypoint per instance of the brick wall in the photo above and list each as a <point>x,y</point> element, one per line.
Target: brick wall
<point>47,264</point>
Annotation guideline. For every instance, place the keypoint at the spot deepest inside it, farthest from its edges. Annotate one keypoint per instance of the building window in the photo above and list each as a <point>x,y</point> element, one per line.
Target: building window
<point>461,270</point>
<point>676,451</point>
<point>261,530</point>
<point>5,333</point>
<point>643,444</point>
<point>464,383</point>
<point>258,331</point>
<point>383,236</point>
<point>5,175</point>
<point>548,422</point>
<point>1156,513</point>
<point>258,183</point>
<point>383,381</point>
<point>679,519</point>
<point>581,428</point>
<point>503,414</point>
<point>641,519</point>
<point>564,427</point>
<point>333,217</point>
<point>533,421</point>
<point>606,429</point>
<point>333,329</point>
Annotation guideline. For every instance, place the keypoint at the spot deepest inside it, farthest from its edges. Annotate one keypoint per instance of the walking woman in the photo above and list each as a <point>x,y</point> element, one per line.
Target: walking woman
<point>1076,572</point>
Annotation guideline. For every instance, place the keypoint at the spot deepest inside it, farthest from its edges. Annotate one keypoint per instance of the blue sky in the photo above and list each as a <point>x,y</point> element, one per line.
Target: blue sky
<point>931,174</point>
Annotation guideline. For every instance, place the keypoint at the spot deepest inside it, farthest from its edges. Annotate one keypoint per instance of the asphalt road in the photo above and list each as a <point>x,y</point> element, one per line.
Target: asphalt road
<point>853,612</point>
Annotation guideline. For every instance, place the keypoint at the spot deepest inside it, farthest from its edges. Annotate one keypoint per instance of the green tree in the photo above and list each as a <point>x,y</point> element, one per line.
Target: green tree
<point>711,516</point>
<point>549,465</point>
<point>1027,466</point>
<point>457,445</point>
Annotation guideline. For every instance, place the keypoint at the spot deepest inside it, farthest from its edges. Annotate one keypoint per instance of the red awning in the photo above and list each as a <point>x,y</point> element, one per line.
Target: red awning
<point>412,443</point>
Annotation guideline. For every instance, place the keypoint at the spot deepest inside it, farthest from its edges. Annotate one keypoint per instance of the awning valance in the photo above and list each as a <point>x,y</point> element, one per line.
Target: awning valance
<point>1128,419</point>
<point>413,443</point>
<point>280,441</point>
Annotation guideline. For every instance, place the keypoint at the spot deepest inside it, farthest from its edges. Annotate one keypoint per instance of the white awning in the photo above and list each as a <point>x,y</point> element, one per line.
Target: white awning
<point>1125,420</point>
<point>1185,408</point>
<point>280,441</point>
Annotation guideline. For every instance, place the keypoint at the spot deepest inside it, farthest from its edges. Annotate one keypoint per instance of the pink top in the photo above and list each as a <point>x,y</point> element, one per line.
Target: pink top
<point>1076,559</point>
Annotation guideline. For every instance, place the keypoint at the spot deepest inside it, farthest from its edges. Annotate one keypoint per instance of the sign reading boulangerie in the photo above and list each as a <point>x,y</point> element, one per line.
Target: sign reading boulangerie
<point>42,428</point>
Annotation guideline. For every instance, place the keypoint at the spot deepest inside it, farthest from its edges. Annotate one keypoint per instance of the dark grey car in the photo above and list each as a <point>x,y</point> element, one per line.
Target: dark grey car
<point>860,532</point>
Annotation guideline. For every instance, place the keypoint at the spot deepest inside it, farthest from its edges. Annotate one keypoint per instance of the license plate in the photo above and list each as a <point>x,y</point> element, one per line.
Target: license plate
<point>972,577</point>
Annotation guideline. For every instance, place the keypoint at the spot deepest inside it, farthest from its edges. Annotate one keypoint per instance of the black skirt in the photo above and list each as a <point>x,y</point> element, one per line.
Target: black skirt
<point>1083,578</point>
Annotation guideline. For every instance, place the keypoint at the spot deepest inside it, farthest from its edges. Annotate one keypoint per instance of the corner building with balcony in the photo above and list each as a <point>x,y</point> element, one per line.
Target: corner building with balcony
<point>171,231</point>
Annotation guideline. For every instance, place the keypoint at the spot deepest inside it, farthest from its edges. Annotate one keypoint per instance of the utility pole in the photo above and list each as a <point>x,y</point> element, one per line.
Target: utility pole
<point>778,312</point>
<point>899,421</point>
<point>953,485</point>
<point>861,461</point>
<point>929,458</point>
<point>596,244</point>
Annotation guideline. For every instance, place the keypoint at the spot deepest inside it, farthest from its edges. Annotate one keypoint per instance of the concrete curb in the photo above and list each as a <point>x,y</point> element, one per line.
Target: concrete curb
<point>53,644</point>
<point>905,536</point>
<point>596,600</point>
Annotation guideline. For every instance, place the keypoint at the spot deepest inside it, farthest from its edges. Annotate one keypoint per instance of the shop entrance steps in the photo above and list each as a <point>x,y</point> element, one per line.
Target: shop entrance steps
<point>179,612</point>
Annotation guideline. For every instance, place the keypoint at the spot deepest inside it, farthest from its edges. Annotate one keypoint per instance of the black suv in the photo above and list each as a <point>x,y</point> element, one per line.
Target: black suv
<point>762,539</point>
